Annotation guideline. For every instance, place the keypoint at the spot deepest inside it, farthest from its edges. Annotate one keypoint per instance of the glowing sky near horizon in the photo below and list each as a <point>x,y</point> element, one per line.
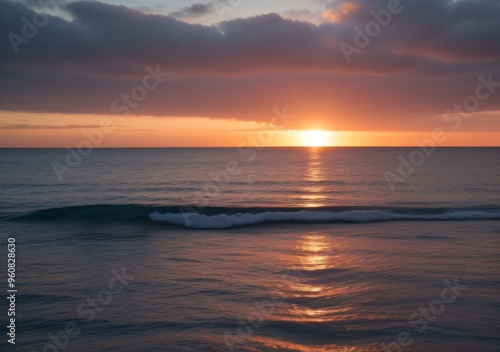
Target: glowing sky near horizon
<point>220,78</point>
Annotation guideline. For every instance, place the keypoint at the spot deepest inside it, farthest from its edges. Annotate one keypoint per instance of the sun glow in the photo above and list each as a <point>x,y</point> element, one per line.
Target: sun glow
<point>315,138</point>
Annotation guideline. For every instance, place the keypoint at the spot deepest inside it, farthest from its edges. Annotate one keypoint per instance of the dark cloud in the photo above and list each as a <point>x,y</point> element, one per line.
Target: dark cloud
<point>452,30</point>
<point>193,11</point>
<point>109,38</point>
<point>426,59</point>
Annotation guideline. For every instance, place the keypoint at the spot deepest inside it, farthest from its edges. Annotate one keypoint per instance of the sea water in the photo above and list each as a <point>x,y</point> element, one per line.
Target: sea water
<point>269,249</point>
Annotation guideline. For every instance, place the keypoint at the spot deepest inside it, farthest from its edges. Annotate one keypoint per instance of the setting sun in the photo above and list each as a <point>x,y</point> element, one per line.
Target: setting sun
<point>315,138</point>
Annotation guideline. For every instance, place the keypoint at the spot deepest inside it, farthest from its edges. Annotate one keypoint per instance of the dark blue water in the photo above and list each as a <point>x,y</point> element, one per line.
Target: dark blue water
<point>280,249</point>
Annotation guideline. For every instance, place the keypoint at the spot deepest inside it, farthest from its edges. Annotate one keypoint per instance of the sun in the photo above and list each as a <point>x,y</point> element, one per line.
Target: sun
<point>315,138</point>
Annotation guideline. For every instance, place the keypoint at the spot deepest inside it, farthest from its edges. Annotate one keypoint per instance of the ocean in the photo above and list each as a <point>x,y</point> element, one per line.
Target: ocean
<point>252,249</point>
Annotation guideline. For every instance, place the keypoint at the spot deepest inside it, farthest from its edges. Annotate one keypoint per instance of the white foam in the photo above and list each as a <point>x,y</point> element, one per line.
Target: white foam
<point>222,221</point>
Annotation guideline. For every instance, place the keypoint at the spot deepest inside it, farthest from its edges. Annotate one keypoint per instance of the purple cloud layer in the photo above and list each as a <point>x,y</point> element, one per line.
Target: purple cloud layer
<point>427,58</point>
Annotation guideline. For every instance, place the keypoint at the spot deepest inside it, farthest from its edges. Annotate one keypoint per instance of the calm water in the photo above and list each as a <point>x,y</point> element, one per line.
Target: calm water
<point>283,249</point>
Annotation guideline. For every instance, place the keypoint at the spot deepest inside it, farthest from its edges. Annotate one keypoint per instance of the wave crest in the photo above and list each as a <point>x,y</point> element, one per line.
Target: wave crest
<point>223,221</point>
<point>228,217</point>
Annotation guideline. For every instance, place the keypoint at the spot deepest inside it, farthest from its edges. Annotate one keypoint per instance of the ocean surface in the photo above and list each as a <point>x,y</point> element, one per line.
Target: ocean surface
<point>269,249</point>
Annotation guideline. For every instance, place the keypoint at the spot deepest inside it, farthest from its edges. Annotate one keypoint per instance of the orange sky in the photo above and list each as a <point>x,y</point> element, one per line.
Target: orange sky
<point>20,130</point>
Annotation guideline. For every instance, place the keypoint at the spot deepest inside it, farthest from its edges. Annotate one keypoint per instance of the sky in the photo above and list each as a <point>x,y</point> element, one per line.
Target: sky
<point>123,73</point>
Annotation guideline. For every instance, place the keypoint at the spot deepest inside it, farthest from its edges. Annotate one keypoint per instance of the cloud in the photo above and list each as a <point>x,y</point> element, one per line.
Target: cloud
<point>45,127</point>
<point>156,9</point>
<point>193,11</point>
<point>304,15</point>
<point>340,13</point>
<point>426,59</point>
<point>106,38</point>
<point>444,30</point>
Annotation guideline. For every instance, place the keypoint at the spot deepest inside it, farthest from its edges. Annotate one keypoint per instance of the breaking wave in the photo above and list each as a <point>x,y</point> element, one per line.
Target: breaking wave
<point>228,217</point>
<point>223,221</point>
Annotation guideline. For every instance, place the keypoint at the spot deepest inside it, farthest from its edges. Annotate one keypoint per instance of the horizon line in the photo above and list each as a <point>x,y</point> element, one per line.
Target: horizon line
<point>260,146</point>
